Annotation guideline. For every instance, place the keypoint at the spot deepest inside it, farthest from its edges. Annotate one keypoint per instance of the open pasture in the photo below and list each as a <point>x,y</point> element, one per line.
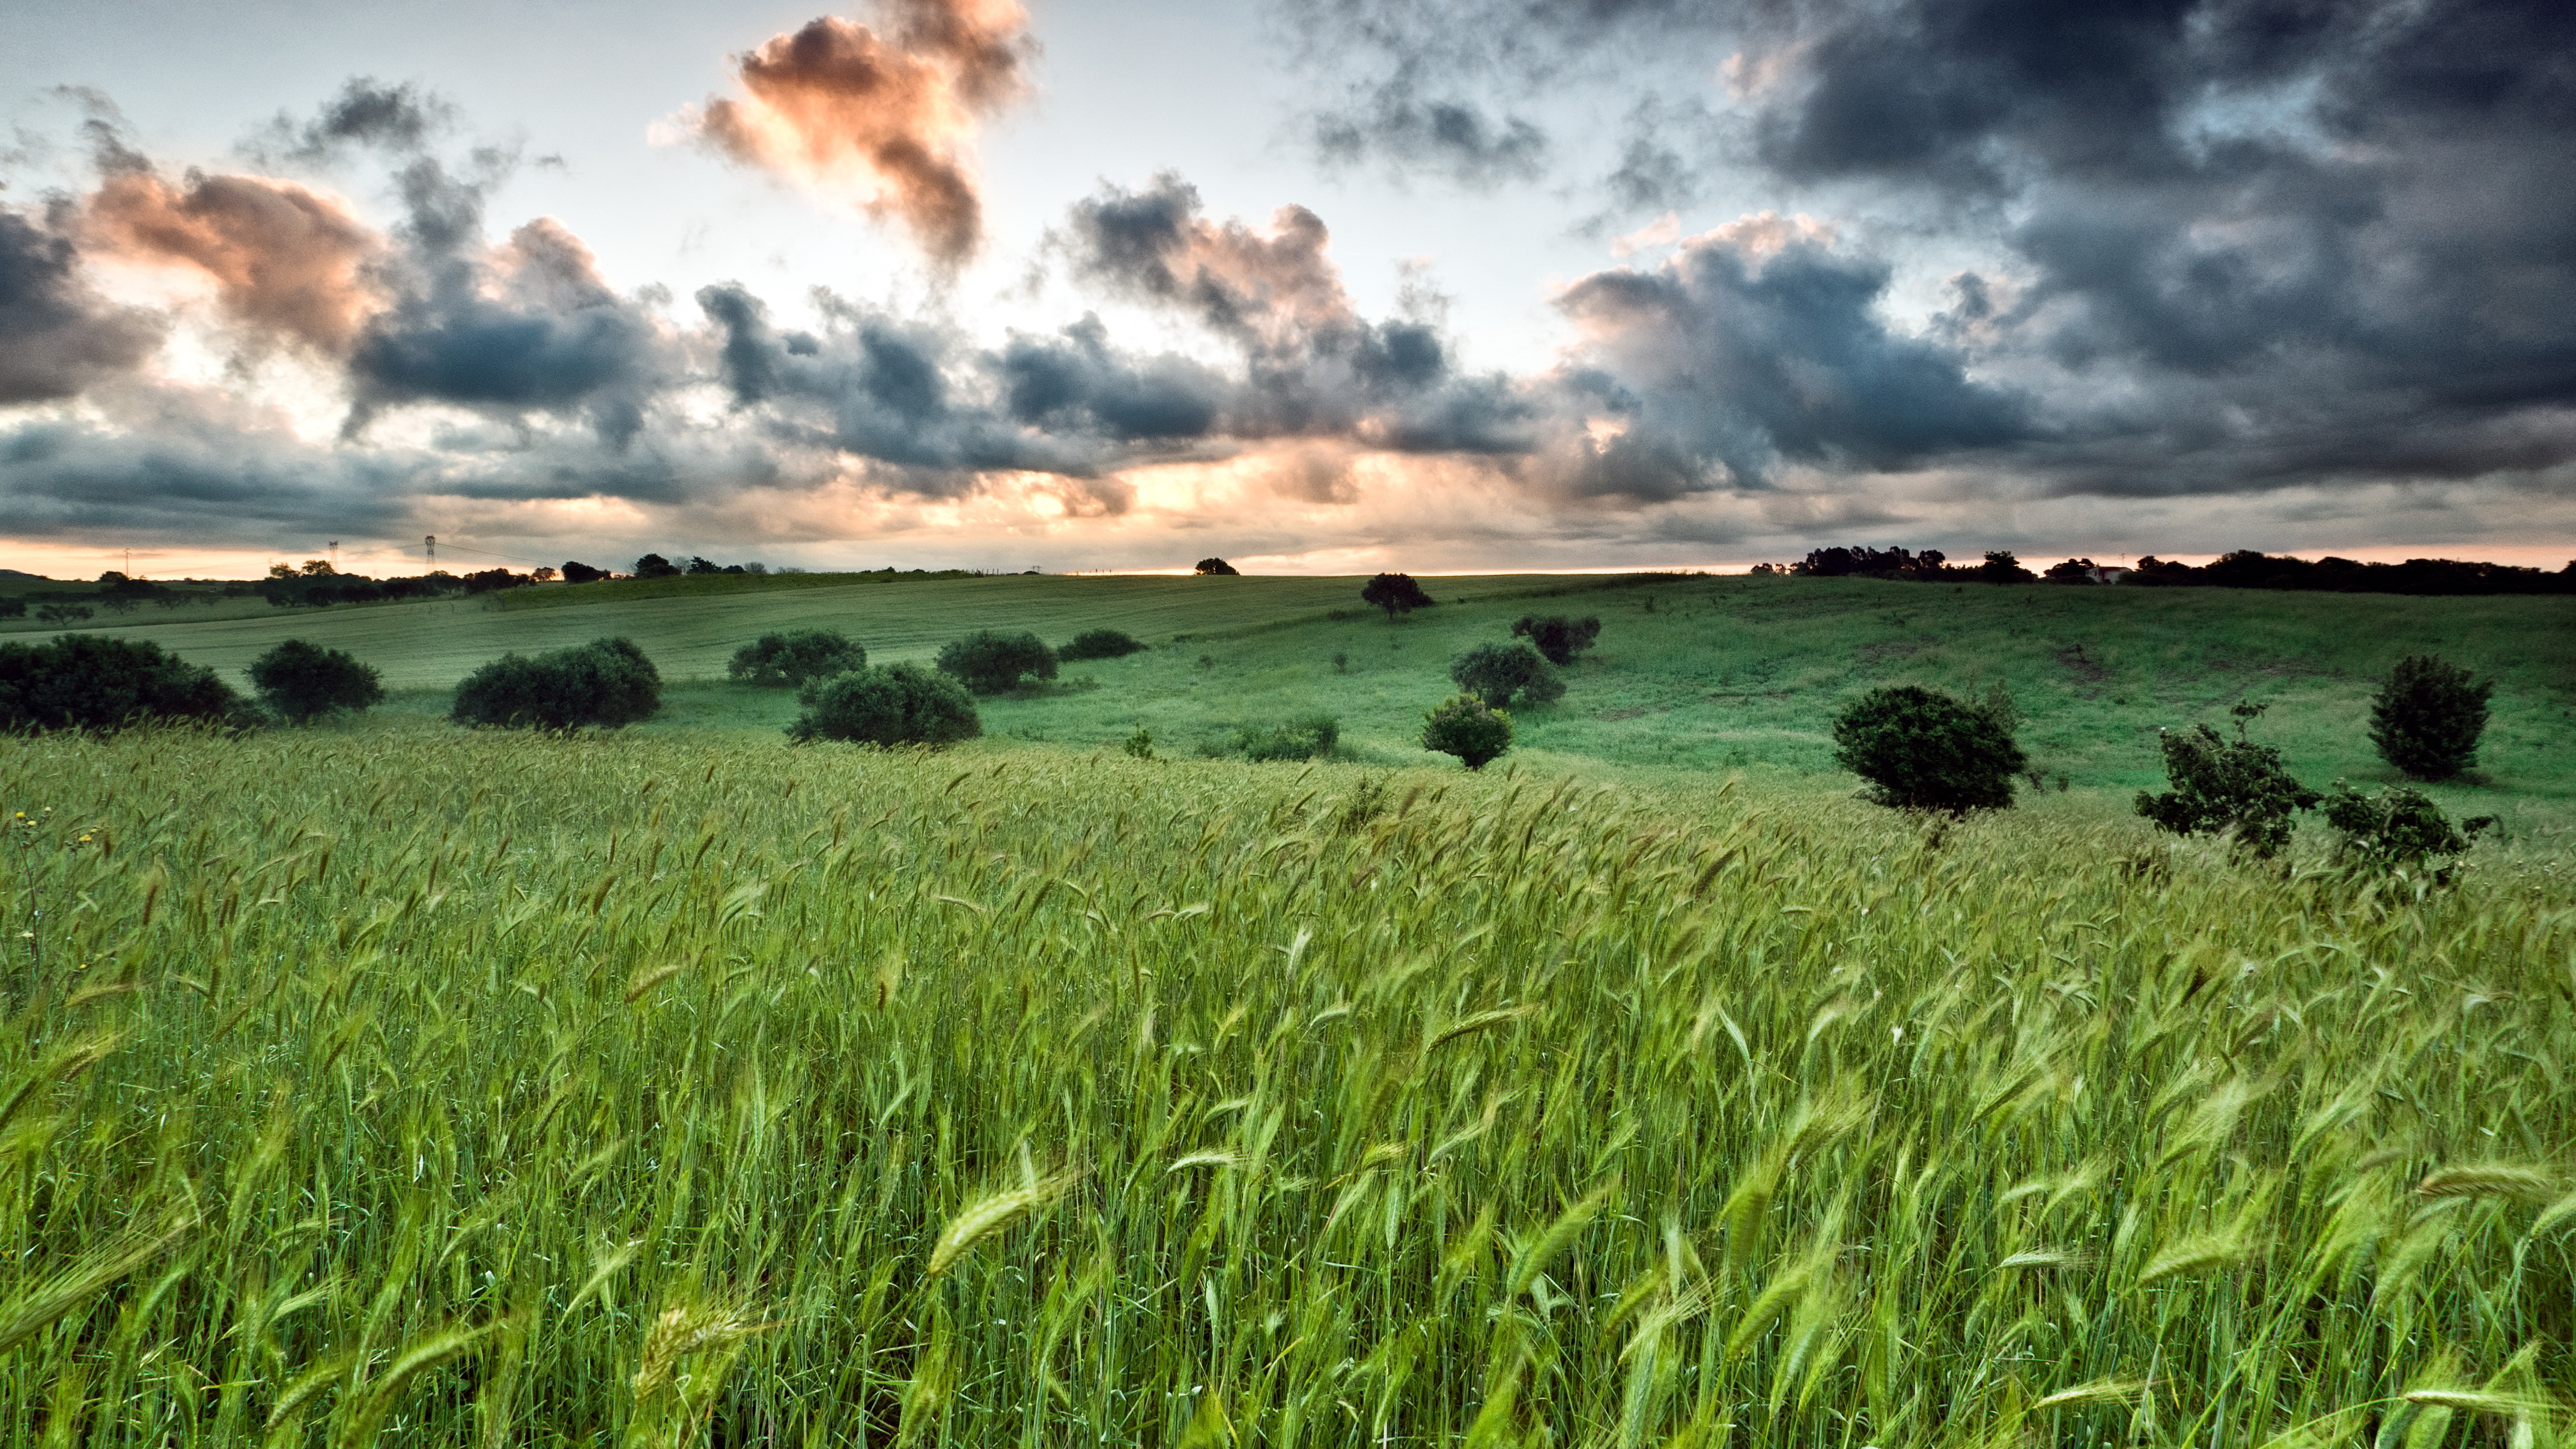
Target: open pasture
<point>414,1086</point>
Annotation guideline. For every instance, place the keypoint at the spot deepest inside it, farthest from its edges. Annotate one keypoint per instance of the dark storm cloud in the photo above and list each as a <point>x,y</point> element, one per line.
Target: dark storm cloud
<point>1313,366</point>
<point>528,325</point>
<point>2236,244</point>
<point>1076,382</point>
<point>57,335</point>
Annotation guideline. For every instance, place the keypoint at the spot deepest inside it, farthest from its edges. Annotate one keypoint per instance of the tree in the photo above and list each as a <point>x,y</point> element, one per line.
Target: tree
<point>1920,749</point>
<point>991,662</point>
<point>2001,567</point>
<point>1496,673</point>
<point>2070,571</point>
<point>13,608</point>
<point>706,566</point>
<point>900,704</point>
<point>795,657</point>
<point>2400,828</point>
<point>1467,727</point>
<point>2239,789</point>
<point>1558,637</point>
<point>1101,644</point>
<point>606,682</point>
<point>300,681</point>
<point>582,573</point>
<point>2427,717</point>
<point>654,566</point>
<point>81,681</point>
<point>64,613</point>
<point>1217,566</point>
<point>1395,593</point>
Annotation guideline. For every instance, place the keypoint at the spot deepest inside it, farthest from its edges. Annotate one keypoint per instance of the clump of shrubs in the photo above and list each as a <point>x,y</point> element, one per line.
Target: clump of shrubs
<point>2234,788</point>
<point>1465,726</point>
<point>1558,637</point>
<point>2400,828</point>
<point>991,662</point>
<point>1920,749</point>
<point>1499,673</point>
<point>1102,644</point>
<point>84,682</point>
<point>2427,717</point>
<point>1308,737</point>
<point>606,682</point>
<point>1396,594</point>
<point>795,657</point>
<point>1218,567</point>
<point>301,681</point>
<point>895,704</point>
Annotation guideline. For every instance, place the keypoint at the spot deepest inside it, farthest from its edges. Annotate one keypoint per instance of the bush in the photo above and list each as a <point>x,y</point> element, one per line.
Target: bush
<point>795,657</point>
<point>1101,644</point>
<point>654,566</point>
<point>300,680</point>
<point>2402,827</point>
<point>605,682</point>
<point>2001,567</point>
<point>64,613</point>
<point>1396,594</point>
<point>2427,717</point>
<point>896,704</point>
<point>1309,737</point>
<point>81,681</point>
<point>991,662</point>
<point>1497,672</point>
<point>1922,750</point>
<point>2222,788</point>
<point>1217,566</point>
<point>582,573</point>
<point>1467,727</point>
<point>13,608</point>
<point>1558,637</point>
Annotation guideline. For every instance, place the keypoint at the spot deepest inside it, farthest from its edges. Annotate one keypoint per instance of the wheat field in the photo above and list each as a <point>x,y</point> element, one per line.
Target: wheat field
<point>425,1087</point>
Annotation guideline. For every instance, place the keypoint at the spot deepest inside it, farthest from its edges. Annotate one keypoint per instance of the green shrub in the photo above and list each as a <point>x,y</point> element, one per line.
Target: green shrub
<point>2402,827</point>
<point>81,681</point>
<point>795,657</point>
<point>2427,717</point>
<point>1498,673</point>
<point>1920,749</point>
<point>606,682</point>
<point>1558,637</point>
<point>2238,789</point>
<point>64,613</point>
<point>991,662</point>
<point>300,681</point>
<point>1102,644</point>
<point>896,704</point>
<point>1140,745</point>
<point>1467,727</point>
<point>1308,737</point>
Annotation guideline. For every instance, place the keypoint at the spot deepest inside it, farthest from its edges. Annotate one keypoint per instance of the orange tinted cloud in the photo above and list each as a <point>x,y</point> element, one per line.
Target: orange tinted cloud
<point>286,260</point>
<point>837,104</point>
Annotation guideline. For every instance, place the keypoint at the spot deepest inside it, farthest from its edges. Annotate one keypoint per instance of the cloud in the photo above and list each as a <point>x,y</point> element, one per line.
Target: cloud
<point>58,336</point>
<point>1453,137</point>
<point>839,105</point>
<point>367,114</point>
<point>287,261</point>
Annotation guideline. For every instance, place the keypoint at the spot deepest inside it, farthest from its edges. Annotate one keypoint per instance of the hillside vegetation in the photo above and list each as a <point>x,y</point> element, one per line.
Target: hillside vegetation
<point>421,1086</point>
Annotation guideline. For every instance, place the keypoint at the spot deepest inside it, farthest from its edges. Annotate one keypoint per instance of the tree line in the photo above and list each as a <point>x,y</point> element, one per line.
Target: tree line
<point>2243,569</point>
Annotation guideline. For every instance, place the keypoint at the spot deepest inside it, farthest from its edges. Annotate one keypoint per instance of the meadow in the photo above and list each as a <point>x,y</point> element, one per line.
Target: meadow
<point>386,1082</point>
<point>435,1087</point>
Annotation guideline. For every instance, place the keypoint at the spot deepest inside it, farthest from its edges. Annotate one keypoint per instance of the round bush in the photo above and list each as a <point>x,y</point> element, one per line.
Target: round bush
<point>1395,593</point>
<point>2427,717</point>
<point>81,681</point>
<point>1101,644</point>
<point>300,681</point>
<point>796,657</point>
<point>1498,673</point>
<point>1217,566</point>
<point>899,704</point>
<point>1922,750</point>
<point>606,682</point>
<point>991,662</point>
<point>1465,726</point>
<point>2401,827</point>
<point>1558,637</point>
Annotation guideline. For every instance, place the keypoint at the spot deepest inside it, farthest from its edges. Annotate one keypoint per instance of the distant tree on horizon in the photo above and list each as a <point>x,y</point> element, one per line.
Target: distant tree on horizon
<point>1217,566</point>
<point>1395,593</point>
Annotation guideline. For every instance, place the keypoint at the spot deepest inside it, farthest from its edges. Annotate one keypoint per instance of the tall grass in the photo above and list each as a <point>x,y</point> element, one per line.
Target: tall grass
<point>429,1088</point>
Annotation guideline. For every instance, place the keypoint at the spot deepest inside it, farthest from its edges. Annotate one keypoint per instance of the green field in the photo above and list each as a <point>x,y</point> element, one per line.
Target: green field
<point>386,1082</point>
<point>417,1086</point>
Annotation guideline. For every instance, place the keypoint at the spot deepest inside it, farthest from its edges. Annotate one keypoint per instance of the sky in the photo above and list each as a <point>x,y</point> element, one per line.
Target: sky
<point>1318,286</point>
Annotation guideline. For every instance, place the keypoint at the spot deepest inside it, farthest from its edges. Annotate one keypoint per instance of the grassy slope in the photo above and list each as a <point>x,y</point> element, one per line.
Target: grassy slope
<point>1692,675</point>
<point>490,1088</point>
